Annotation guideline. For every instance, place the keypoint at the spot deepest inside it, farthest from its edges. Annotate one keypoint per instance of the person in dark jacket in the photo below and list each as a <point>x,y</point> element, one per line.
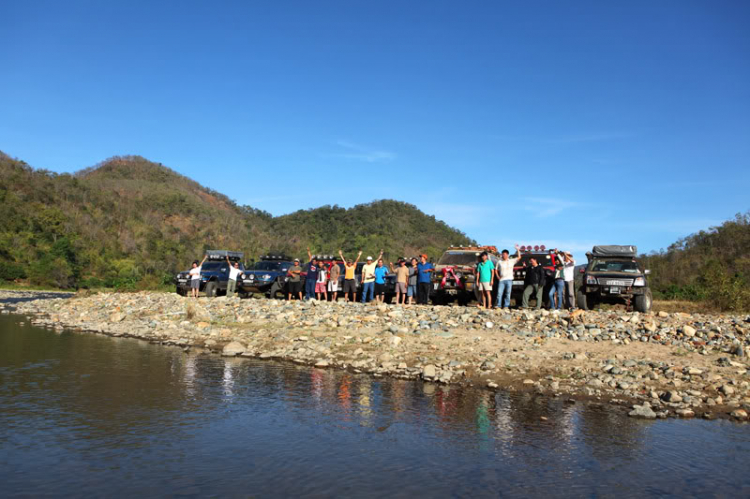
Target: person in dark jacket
<point>533,283</point>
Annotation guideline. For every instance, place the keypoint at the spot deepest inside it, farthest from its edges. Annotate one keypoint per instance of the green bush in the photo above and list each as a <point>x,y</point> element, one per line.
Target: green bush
<point>10,271</point>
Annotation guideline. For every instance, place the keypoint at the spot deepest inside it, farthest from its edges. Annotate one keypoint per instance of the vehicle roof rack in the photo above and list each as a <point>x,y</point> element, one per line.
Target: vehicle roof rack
<point>224,254</point>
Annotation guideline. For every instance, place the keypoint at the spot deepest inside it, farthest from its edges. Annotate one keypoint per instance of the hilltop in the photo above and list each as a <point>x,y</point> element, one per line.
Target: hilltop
<point>131,223</point>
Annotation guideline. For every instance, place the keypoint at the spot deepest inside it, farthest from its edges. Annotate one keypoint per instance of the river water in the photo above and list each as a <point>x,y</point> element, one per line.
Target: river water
<point>84,415</point>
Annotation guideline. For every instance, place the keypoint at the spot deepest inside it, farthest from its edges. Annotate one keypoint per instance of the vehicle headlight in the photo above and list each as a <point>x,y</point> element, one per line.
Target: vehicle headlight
<point>591,280</point>
<point>266,277</point>
<point>178,276</point>
<point>639,281</point>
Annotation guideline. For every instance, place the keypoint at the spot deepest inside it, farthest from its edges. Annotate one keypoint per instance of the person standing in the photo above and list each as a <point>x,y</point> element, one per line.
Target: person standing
<point>195,276</point>
<point>312,276</point>
<point>320,284</point>
<point>368,279</point>
<point>381,271</point>
<point>402,280</point>
<point>533,283</point>
<point>558,287</point>
<point>411,290</point>
<point>333,281</point>
<point>485,278</point>
<point>294,285</point>
<point>504,274</point>
<point>569,272</point>
<point>350,281</point>
<point>424,272</point>
<point>234,273</point>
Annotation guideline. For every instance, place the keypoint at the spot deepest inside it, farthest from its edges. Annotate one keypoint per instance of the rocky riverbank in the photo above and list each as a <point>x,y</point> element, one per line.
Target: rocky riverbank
<point>650,365</point>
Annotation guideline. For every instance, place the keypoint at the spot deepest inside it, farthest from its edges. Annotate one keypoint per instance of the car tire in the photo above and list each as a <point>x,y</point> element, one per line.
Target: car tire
<point>181,291</point>
<point>582,301</point>
<point>643,302</point>
<point>211,290</point>
<point>275,290</point>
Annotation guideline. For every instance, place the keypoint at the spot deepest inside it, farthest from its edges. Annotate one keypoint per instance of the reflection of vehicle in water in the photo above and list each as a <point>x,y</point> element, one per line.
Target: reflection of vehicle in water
<point>455,273</point>
<point>614,276</point>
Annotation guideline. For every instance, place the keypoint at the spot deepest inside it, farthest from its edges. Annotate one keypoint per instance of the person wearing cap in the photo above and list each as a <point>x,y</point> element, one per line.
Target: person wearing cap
<point>569,268</point>
<point>195,276</point>
<point>350,283</point>
<point>311,279</point>
<point>368,279</point>
<point>485,278</point>
<point>424,270</point>
<point>294,284</point>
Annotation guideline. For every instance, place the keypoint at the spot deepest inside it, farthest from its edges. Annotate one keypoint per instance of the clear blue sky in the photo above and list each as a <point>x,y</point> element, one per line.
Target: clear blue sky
<point>566,123</point>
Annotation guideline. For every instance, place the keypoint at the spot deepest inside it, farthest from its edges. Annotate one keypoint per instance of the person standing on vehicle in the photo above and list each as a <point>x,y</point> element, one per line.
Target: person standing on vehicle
<point>195,276</point>
<point>485,279</point>
<point>312,276</point>
<point>533,283</point>
<point>333,281</point>
<point>424,271</point>
<point>402,280</point>
<point>350,281</point>
<point>368,279</point>
<point>381,271</point>
<point>294,285</point>
<point>558,287</point>
<point>569,272</point>
<point>411,289</point>
<point>234,273</point>
<point>320,284</point>
<point>504,274</point>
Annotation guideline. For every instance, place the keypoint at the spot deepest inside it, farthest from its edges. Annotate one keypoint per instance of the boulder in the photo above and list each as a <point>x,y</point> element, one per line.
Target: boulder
<point>233,348</point>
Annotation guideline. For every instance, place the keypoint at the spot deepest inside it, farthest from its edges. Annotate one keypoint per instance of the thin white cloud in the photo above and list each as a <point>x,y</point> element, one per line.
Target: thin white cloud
<point>358,152</point>
<point>548,207</point>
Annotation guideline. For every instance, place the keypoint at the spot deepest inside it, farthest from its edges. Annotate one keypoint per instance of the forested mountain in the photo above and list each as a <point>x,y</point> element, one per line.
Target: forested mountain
<point>712,265</point>
<point>131,223</point>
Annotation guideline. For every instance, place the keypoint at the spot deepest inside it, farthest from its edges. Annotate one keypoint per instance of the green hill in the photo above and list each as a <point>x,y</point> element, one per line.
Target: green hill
<point>131,223</point>
<point>711,265</point>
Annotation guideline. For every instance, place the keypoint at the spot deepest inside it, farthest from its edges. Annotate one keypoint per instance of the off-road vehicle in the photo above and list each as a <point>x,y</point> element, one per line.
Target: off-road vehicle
<point>613,275</point>
<point>267,276</point>
<point>455,274</point>
<point>214,274</point>
<point>545,258</point>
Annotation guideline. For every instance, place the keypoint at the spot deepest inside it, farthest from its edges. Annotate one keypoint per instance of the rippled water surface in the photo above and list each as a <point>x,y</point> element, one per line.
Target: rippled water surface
<point>85,415</point>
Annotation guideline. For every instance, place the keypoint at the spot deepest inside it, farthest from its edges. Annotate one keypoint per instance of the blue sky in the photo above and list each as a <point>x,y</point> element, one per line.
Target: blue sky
<point>565,123</point>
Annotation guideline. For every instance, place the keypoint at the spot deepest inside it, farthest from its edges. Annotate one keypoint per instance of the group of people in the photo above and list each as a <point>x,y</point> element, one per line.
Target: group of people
<point>412,280</point>
<point>561,293</point>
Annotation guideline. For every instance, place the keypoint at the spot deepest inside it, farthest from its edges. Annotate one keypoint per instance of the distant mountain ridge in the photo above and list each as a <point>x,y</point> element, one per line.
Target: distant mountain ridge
<point>132,223</point>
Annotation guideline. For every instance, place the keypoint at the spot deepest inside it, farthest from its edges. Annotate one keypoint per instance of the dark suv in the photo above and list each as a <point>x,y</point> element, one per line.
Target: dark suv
<point>214,273</point>
<point>546,259</point>
<point>267,276</point>
<point>613,275</point>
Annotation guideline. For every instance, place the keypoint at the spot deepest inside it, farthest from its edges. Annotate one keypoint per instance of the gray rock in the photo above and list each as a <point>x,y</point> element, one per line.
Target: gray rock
<point>642,411</point>
<point>429,371</point>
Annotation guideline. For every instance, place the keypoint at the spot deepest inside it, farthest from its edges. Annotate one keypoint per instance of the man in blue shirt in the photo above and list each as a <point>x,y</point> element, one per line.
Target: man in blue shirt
<point>312,276</point>
<point>424,269</point>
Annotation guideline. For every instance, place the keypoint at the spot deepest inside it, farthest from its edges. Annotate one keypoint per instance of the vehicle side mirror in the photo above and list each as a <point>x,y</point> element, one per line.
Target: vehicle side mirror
<point>647,271</point>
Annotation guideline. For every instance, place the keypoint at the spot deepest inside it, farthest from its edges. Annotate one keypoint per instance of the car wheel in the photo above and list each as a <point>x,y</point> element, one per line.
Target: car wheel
<point>275,290</point>
<point>582,301</point>
<point>180,291</point>
<point>643,302</point>
<point>211,290</point>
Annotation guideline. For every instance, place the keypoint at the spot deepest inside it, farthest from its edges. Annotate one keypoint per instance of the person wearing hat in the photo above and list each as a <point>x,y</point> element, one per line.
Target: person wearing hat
<point>294,285</point>
<point>424,269</point>
<point>350,283</point>
<point>368,279</point>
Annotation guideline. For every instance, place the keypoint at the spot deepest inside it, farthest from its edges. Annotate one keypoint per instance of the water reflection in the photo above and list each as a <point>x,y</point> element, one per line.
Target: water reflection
<point>88,415</point>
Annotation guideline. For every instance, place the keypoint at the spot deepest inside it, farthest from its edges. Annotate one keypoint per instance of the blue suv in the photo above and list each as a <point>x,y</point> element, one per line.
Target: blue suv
<point>214,273</point>
<point>267,276</point>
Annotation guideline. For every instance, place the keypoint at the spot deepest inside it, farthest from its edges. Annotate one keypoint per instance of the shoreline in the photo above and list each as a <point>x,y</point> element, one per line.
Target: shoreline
<point>681,365</point>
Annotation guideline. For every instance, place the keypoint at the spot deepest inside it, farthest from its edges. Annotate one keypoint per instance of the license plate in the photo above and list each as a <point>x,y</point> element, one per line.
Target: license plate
<point>518,283</point>
<point>614,290</point>
<point>182,281</point>
<point>451,291</point>
<point>616,283</point>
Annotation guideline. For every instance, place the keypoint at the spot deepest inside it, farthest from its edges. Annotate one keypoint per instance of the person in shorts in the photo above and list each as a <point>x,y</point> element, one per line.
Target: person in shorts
<point>320,284</point>
<point>402,280</point>
<point>485,279</point>
<point>411,289</point>
<point>381,271</point>
<point>294,284</point>
<point>350,282</point>
<point>333,281</point>
<point>195,277</point>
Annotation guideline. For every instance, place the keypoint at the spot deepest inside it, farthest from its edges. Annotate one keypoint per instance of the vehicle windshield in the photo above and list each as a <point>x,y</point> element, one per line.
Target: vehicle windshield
<point>271,266</point>
<point>543,259</point>
<point>629,266</point>
<point>458,258</point>
<point>213,266</point>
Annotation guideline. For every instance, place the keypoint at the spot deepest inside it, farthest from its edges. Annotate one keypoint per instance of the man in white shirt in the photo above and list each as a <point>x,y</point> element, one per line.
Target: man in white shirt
<point>504,274</point>
<point>195,276</point>
<point>569,273</point>
<point>234,273</point>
